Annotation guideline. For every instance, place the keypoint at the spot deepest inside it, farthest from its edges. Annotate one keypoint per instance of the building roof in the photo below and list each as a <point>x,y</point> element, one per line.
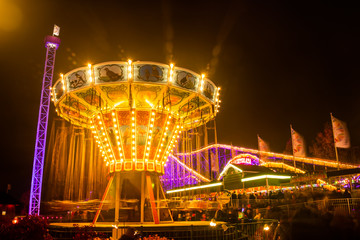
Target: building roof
<point>253,168</point>
<point>343,172</point>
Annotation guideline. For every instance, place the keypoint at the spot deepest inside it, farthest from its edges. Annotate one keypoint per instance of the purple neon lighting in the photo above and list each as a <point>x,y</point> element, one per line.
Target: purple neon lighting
<point>40,144</point>
<point>177,175</point>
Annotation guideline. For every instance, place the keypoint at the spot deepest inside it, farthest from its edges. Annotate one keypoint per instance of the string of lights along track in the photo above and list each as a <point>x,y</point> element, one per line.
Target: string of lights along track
<point>136,110</point>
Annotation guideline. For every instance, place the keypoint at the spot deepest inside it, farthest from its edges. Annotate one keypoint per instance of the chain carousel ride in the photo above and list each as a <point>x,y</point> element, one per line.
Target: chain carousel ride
<point>136,111</point>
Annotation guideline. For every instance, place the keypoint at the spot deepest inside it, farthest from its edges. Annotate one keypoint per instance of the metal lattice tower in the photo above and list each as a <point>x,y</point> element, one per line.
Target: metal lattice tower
<point>51,44</point>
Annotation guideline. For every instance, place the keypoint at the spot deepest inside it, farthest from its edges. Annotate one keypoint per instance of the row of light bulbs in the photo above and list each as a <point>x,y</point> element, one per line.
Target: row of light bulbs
<point>133,135</point>
<point>148,140</point>
<point>130,74</point>
<point>104,141</point>
<point>99,130</point>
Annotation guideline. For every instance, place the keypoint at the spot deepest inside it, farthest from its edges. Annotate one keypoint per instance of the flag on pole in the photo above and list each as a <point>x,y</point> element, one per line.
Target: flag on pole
<point>298,145</point>
<point>263,147</point>
<point>341,134</point>
<point>214,162</point>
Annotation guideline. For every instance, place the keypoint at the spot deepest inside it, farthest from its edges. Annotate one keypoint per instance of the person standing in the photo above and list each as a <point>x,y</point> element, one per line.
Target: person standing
<point>129,234</point>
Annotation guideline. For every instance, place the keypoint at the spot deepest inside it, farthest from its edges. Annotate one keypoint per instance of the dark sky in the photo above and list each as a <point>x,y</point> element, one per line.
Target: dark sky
<point>278,63</point>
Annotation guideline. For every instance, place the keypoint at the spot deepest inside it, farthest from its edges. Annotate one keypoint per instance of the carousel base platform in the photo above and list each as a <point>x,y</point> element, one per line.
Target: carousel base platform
<point>196,230</point>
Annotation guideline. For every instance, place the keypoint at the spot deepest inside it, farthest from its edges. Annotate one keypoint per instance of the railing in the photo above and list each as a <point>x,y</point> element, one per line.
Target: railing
<point>345,203</point>
<point>260,229</point>
<point>264,229</point>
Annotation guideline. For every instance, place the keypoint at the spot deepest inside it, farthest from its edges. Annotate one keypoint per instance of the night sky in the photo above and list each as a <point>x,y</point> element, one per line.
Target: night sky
<point>278,63</point>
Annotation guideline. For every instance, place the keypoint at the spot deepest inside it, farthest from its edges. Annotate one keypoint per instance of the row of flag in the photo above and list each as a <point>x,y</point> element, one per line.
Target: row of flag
<point>340,133</point>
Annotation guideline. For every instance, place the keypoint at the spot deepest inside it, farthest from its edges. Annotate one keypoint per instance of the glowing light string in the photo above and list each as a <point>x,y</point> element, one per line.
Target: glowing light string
<point>226,168</point>
<point>328,163</point>
<point>196,187</point>
<point>265,176</point>
<point>282,165</point>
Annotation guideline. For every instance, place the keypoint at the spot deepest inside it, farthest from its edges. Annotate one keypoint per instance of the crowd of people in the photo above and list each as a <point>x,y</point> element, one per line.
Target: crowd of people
<point>315,213</point>
<point>310,213</point>
<point>281,197</point>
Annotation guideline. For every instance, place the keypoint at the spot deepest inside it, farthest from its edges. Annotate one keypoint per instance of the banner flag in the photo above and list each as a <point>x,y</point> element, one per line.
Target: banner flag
<point>341,134</point>
<point>263,147</point>
<point>298,145</point>
<point>214,162</point>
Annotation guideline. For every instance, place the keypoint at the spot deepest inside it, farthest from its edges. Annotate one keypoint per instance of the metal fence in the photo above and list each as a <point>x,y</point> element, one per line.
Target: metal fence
<point>344,205</point>
<point>263,229</point>
<point>192,232</point>
<point>347,203</point>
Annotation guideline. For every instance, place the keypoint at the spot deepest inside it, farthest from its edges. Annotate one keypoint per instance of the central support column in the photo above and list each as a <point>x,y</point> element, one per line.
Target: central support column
<point>142,200</point>
<point>117,197</point>
<point>152,199</point>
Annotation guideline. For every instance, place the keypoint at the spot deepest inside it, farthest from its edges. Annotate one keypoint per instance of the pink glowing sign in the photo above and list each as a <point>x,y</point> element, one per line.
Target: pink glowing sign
<point>245,160</point>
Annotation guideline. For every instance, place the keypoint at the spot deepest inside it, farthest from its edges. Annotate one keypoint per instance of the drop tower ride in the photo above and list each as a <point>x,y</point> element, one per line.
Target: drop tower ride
<point>51,44</point>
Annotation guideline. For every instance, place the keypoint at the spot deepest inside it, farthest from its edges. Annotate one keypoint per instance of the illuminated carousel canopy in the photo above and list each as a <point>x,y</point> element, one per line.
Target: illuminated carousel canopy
<point>135,110</point>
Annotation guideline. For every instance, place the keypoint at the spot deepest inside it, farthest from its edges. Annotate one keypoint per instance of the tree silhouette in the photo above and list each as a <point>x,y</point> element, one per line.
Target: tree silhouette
<point>323,145</point>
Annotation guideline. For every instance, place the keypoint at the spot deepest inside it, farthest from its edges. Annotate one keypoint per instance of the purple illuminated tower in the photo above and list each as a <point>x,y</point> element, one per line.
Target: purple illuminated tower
<point>51,44</point>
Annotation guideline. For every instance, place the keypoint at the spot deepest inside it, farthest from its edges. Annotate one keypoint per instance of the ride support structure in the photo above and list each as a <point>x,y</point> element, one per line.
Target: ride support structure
<point>51,44</point>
